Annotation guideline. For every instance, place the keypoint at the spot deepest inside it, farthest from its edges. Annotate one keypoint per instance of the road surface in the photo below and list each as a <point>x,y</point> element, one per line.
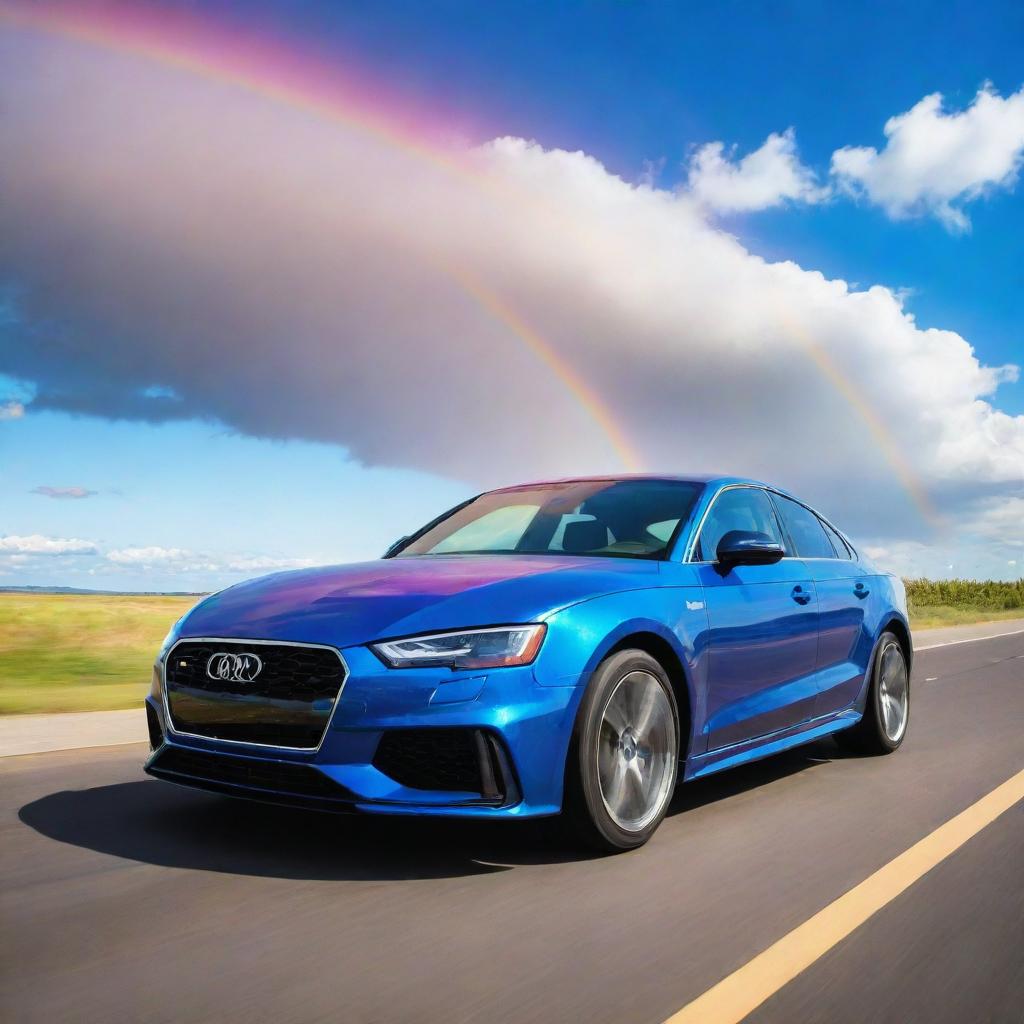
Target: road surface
<point>127,899</point>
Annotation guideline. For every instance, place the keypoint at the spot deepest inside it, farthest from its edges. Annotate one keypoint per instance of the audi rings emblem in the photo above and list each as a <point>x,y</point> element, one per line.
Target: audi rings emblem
<point>234,668</point>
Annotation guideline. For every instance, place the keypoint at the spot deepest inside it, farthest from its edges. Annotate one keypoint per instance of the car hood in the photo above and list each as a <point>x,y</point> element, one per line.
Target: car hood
<point>344,605</point>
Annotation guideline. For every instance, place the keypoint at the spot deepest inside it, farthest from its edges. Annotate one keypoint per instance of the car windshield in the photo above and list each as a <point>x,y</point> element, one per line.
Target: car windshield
<point>608,518</point>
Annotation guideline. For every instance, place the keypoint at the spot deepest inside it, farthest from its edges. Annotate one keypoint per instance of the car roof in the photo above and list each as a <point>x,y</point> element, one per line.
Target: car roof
<point>713,481</point>
<point>703,479</point>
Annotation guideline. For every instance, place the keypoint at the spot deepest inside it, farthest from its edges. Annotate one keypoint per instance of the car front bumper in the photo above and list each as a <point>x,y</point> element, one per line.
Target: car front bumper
<point>411,723</point>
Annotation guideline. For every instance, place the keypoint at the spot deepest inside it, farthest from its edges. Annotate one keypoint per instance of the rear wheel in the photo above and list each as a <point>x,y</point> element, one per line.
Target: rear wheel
<point>624,757</point>
<point>887,711</point>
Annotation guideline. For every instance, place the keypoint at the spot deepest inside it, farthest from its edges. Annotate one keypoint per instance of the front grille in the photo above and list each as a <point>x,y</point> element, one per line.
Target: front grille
<point>279,777</point>
<point>287,704</point>
<point>446,760</point>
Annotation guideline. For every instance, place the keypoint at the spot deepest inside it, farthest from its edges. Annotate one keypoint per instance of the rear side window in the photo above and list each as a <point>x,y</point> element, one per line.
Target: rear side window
<point>738,508</point>
<point>805,529</point>
<point>842,548</point>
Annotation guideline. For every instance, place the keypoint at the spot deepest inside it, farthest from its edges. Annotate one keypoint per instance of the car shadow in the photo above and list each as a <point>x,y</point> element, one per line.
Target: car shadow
<point>734,781</point>
<point>157,823</point>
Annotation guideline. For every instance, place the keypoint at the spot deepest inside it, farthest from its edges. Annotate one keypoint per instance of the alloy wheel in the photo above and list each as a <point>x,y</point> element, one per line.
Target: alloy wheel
<point>893,691</point>
<point>637,750</point>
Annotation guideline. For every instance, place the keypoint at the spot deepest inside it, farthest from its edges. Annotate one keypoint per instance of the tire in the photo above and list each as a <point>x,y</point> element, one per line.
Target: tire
<point>883,726</point>
<point>623,760</point>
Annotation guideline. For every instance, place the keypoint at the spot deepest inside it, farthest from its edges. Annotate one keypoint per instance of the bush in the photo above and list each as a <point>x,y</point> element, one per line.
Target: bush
<point>985,595</point>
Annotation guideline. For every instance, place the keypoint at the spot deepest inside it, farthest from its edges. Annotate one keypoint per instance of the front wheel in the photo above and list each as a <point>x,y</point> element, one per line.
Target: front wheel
<point>887,711</point>
<point>624,757</point>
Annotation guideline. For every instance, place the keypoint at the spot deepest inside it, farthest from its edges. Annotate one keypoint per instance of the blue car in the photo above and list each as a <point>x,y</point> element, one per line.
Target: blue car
<point>568,648</point>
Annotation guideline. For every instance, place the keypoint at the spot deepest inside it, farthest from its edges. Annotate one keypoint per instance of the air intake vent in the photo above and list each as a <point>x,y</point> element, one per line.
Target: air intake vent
<point>447,760</point>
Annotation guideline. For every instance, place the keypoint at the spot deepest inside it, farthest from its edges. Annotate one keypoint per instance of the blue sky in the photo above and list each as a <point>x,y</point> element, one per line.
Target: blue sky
<point>196,487</point>
<point>215,494</point>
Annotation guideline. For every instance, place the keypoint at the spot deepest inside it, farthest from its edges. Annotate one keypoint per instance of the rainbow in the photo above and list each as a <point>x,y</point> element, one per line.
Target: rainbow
<point>181,41</point>
<point>591,402</point>
<point>196,46</point>
<point>882,435</point>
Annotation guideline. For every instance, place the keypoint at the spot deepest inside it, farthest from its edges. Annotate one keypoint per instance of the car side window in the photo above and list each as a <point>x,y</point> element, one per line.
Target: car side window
<point>842,548</point>
<point>805,529</point>
<point>737,508</point>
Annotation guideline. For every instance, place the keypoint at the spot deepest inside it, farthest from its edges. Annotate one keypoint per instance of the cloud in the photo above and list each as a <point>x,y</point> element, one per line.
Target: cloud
<point>941,560</point>
<point>987,543</point>
<point>11,410</point>
<point>494,314</point>
<point>63,493</point>
<point>767,177</point>
<point>181,560</point>
<point>147,555</point>
<point>21,554</point>
<point>934,161</point>
<point>264,563</point>
<point>36,544</point>
<point>999,520</point>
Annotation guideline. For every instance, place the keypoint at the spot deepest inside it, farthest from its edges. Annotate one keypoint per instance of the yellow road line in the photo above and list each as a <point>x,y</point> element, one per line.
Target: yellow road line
<point>734,997</point>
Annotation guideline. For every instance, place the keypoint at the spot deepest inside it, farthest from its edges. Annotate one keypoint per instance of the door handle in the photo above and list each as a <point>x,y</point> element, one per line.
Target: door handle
<point>860,590</point>
<point>800,595</point>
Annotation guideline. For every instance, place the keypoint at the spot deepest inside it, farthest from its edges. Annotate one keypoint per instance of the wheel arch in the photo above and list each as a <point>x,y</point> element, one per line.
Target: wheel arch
<point>663,652</point>
<point>894,624</point>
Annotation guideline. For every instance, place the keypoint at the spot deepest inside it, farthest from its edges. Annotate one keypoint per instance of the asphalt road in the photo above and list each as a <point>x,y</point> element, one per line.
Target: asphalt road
<point>127,899</point>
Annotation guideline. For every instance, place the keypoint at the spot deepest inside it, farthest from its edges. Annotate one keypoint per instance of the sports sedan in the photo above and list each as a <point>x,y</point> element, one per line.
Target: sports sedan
<point>570,648</point>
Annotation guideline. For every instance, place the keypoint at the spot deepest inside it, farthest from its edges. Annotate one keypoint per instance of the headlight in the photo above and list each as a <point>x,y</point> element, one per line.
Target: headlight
<point>476,648</point>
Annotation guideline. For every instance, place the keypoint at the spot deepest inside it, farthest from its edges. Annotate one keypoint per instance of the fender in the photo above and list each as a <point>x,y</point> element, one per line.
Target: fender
<point>588,631</point>
<point>895,618</point>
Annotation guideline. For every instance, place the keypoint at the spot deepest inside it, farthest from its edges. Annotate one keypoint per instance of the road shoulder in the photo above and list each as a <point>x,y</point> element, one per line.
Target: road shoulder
<point>37,734</point>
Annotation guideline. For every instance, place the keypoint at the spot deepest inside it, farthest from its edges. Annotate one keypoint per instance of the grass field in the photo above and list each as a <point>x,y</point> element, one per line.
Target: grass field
<point>930,616</point>
<point>91,652</point>
<point>80,652</point>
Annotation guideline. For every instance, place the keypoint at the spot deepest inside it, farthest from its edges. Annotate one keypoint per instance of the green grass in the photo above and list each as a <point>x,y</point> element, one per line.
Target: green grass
<point>930,616</point>
<point>80,652</point>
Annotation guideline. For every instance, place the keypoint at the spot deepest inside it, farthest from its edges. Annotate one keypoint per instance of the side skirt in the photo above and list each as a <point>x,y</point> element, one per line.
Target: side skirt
<point>765,746</point>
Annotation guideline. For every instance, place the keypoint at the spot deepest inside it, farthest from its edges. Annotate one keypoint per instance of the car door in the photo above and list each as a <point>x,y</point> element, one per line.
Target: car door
<point>843,588</point>
<point>763,627</point>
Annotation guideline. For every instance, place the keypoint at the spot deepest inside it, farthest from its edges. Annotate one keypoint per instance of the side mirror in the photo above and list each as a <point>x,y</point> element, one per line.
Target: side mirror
<point>397,546</point>
<point>747,547</point>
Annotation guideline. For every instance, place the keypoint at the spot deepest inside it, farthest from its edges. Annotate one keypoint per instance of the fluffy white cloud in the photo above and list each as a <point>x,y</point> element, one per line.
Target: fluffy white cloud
<point>264,563</point>
<point>943,559</point>
<point>36,544</point>
<point>504,313</point>
<point>935,161</point>
<point>147,555</point>
<point>767,177</point>
<point>1000,520</point>
<point>985,542</point>
<point>63,493</point>
<point>11,410</point>
<point>181,560</point>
